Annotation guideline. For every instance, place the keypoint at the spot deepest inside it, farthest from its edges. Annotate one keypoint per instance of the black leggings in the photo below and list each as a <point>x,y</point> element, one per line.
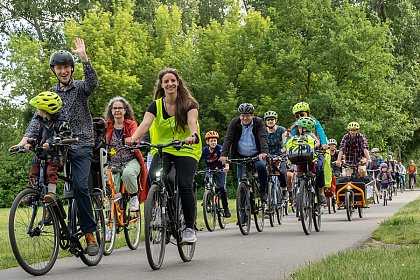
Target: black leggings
<point>185,169</point>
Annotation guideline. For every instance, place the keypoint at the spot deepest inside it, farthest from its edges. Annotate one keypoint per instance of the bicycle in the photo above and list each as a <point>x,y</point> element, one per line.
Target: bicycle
<point>212,205</point>
<point>375,185</point>
<point>411,181</point>
<point>163,213</point>
<point>35,242</point>
<point>276,205</point>
<point>248,200</point>
<point>117,212</point>
<point>385,194</point>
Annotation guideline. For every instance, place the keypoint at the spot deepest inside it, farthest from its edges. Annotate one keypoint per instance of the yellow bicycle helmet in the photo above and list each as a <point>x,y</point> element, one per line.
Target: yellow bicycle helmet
<point>353,125</point>
<point>47,101</point>
<point>212,134</point>
<point>300,107</point>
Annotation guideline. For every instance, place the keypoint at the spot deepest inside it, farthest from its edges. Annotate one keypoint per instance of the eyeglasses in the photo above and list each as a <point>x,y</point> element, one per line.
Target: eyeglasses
<point>299,115</point>
<point>118,108</point>
<point>270,120</point>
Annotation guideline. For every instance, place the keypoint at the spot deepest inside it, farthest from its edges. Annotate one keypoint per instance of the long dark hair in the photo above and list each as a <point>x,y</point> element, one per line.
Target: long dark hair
<point>183,101</point>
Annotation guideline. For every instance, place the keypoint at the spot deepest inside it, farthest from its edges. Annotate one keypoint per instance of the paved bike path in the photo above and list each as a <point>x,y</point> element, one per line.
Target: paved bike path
<point>226,254</point>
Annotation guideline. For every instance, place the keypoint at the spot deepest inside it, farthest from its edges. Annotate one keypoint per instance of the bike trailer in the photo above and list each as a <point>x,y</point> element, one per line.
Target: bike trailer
<point>300,149</point>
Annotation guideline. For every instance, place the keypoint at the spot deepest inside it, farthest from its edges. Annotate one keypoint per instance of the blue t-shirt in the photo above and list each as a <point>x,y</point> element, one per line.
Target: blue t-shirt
<point>212,158</point>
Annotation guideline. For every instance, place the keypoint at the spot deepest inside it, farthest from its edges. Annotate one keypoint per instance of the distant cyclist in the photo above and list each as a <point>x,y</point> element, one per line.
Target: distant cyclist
<point>355,149</point>
<point>375,159</point>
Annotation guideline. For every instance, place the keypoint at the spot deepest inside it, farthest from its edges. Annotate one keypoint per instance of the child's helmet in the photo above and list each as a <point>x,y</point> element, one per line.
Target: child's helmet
<point>307,122</point>
<point>212,134</point>
<point>300,107</point>
<point>383,164</point>
<point>353,125</point>
<point>332,141</point>
<point>246,108</point>
<point>270,115</point>
<point>389,157</point>
<point>47,101</point>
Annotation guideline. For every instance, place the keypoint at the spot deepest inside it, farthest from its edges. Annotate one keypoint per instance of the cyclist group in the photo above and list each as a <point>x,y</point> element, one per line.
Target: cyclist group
<point>63,111</point>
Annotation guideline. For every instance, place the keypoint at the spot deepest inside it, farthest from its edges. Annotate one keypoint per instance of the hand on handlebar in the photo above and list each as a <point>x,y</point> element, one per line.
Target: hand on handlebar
<point>223,159</point>
<point>129,141</point>
<point>262,156</point>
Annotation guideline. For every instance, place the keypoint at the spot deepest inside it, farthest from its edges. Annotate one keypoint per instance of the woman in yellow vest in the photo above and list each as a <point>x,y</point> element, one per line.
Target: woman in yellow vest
<point>174,115</point>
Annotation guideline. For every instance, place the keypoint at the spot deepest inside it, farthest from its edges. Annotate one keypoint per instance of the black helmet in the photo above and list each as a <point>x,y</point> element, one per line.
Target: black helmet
<point>246,108</point>
<point>61,57</point>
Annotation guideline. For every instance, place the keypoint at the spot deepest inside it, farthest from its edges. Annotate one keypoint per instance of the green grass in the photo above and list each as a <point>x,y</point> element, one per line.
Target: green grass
<point>8,259</point>
<point>392,254</point>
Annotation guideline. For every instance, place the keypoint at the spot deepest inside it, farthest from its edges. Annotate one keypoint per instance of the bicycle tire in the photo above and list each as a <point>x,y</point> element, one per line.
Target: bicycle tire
<point>304,207</point>
<point>110,214</point>
<point>270,203</point>
<point>329,204</point>
<point>220,216</point>
<point>280,207</point>
<point>385,194</point>
<point>209,210</point>
<point>185,250</point>
<point>18,227</point>
<point>349,206</point>
<point>259,212</point>
<point>155,227</point>
<point>316,213</point>
<point>132,226</point>
<point>360,209</point>
<point>98,215</point>
<point>243,208</point>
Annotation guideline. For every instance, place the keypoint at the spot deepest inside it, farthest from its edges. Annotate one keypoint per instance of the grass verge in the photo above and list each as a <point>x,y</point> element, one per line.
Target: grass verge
<point>391,254</point>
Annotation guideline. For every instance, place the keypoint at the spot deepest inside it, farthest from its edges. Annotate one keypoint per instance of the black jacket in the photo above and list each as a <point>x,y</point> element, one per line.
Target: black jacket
<point>234,132</point>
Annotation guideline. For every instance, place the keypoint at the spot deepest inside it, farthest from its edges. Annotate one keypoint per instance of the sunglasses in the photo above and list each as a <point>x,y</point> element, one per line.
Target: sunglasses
<point>299,115</point>
<point>269,120</point>
<point>118,108</point>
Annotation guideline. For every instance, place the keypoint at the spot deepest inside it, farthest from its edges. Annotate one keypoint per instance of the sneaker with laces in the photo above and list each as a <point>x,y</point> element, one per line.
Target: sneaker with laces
<point>92,248</point>
<point>227,213</point>
<point>189,236</point>
<point>50,197</point>
<point>134,204</point>
<point>322,199</point>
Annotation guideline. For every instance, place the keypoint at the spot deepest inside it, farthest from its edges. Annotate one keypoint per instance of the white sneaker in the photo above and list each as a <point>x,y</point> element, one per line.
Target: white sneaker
<point>189,236</point>
<point>134,204</point>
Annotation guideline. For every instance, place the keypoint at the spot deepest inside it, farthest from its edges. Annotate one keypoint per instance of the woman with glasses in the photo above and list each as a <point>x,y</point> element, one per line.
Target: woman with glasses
<point>300,110</point>
<point>375,159</point>
<point>120,124</point>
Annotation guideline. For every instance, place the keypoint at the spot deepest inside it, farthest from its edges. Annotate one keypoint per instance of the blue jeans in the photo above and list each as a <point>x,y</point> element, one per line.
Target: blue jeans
<point>403,181</point>
<point>261,168</point>
<point>80,161</point>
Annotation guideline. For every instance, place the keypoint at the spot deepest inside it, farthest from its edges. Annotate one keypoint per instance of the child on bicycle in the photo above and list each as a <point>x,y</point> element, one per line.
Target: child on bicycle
<point>51,125</point>
<point>211,155</point>
<point>306,126</point>
<point>385,178</point>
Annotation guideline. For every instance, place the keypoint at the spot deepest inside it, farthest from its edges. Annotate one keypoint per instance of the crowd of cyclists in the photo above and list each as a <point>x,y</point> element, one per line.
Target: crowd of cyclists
<point>173,114</point>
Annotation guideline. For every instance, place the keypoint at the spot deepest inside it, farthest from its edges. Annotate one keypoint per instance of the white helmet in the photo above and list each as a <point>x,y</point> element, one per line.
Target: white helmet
<point>332,141</point>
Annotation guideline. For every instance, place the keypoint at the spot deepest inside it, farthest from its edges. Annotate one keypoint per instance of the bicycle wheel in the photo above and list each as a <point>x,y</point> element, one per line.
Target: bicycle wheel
<point>385,197</point>
<point>329,204</point>
<point>349,205</point>
<point>209,210</point>
<point>259,212</point>
<point>185,250</point>
<point>270,203</point>
<point>220,216</point>
<point>98,215</point>
<point>155,227</point>
<point>304,208</point>
<point>281,205</point>
<point>132,226</point>
<point>34,244</point>
<point>110,214</point>
<point>316,213</point>
<point>243,208</point>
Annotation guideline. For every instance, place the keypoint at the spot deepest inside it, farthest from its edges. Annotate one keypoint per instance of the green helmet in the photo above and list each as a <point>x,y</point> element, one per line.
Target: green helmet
<point>270,115</point>
<point>300,107</point>
<point>353,125</point>
<point>47,101</point>
<point>307,122</point>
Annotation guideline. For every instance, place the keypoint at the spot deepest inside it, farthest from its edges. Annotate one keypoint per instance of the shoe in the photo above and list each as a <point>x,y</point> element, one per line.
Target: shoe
<point>189,236</point>
<point>227,213</point>
<point>380,196</point>
<point>92,248</point>
<point>322,199</point>
<point>27,200</point>
<point>390,198</point>
<point>285,196</point>
<point>134,204</point>
<point>263,196</point>
<point>50,197</point>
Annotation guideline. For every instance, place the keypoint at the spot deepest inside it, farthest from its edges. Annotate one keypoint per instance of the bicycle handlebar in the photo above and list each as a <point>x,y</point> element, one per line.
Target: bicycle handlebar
<point>243,160</point>
<point>57,141</point>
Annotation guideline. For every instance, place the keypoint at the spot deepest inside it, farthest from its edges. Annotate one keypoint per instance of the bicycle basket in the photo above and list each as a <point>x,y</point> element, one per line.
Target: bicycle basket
<point>300,149</point>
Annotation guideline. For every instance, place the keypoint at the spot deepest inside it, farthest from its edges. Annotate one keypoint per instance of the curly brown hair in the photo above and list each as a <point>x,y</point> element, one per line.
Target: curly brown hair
<point>184,98</point>
<point>129,113</point>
